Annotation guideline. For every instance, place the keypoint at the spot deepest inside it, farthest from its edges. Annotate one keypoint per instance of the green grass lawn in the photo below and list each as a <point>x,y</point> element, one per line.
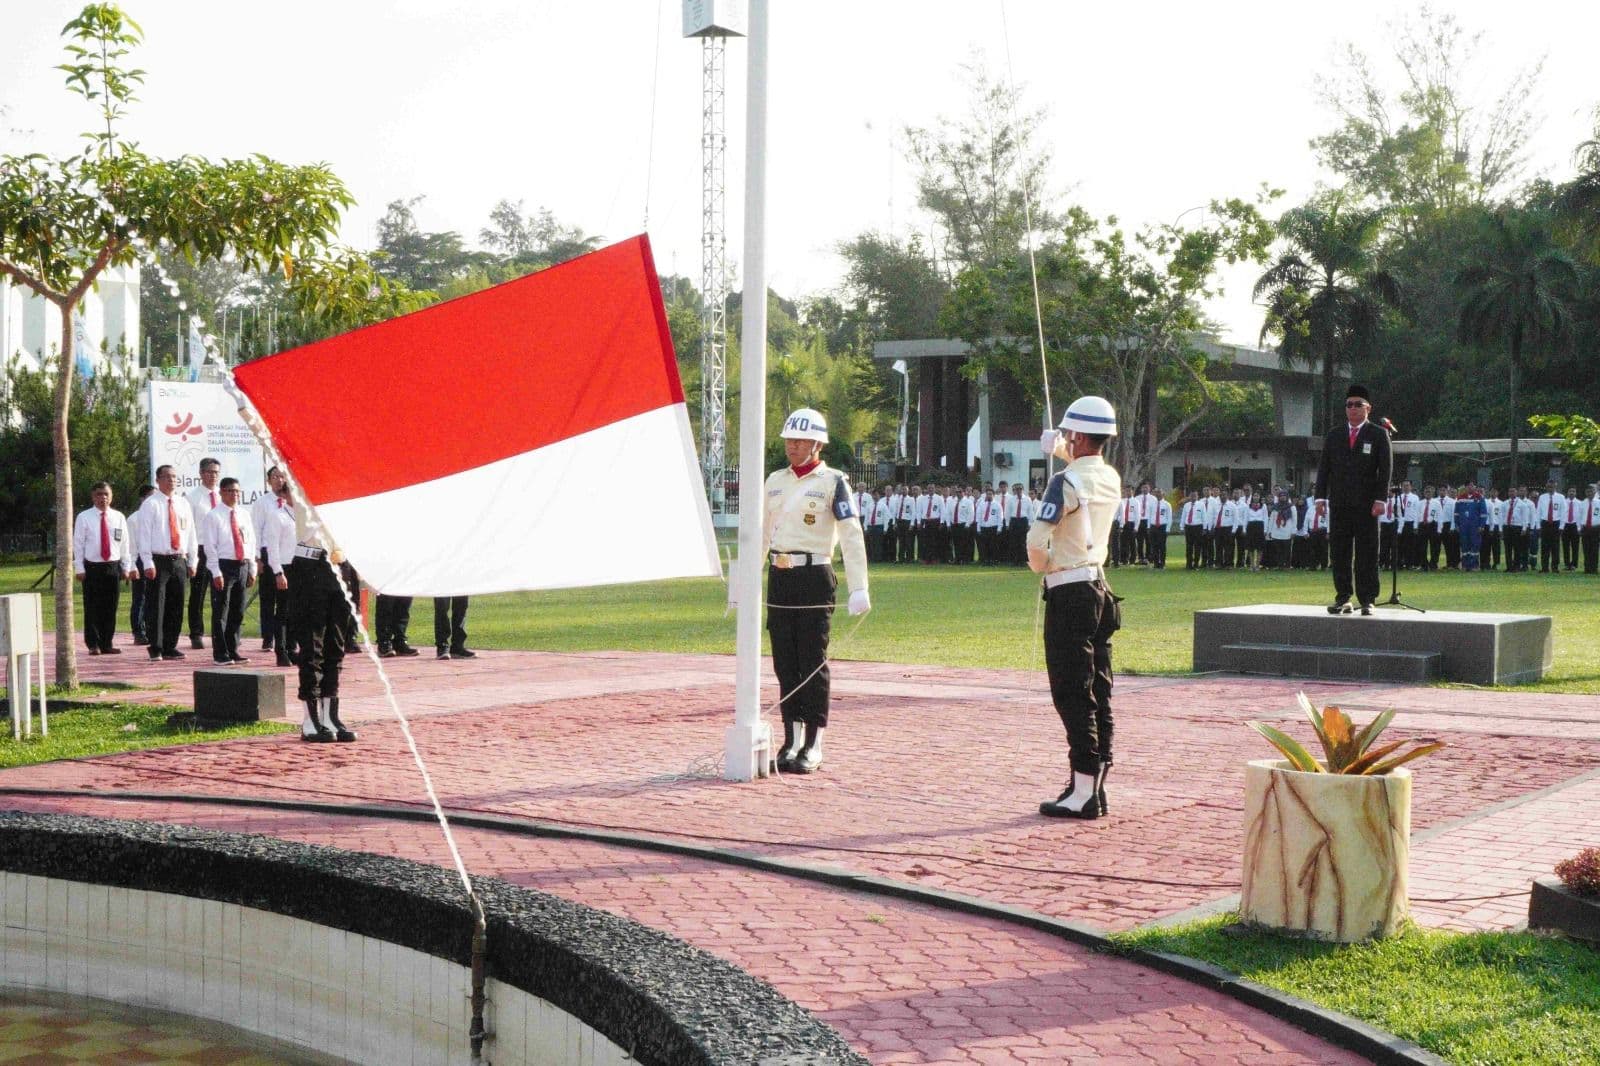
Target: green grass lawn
<point>1501,998</point>
<point>79,729</point>
<point>986,617</point>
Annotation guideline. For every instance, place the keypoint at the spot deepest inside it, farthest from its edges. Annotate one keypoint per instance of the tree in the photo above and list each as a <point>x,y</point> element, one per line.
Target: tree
<point>978,174</point>
<point>1325,292</point>
<point>1579,200</point>
<point>64,221</point>
<point>1431,146</point>
<point>1517,294</point>
<point>420,260</point>
<point>893,287</point>
<point>534,241</point>
<point>1120,316</point>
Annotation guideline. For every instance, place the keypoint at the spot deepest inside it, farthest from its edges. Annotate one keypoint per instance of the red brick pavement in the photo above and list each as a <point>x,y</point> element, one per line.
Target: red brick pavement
<point>932,775</point>
<point>904,983</point>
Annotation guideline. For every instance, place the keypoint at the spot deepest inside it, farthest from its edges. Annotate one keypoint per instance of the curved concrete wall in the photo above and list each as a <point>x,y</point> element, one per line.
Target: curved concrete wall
<point>365,958</point>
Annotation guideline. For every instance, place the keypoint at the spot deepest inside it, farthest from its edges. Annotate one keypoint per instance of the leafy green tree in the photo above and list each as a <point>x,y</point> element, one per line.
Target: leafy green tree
<point>1433,145</point>
<point>63,221</point>
<point>894,289</point>
<point>531,242</point>
<point>1518,294</point>
<point>1579,200</point>
<point>1326,291</point>
<point>420,260</point>
<point>976,174</point>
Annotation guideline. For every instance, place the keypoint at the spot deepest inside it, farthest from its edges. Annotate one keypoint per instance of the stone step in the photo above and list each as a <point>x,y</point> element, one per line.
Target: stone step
<point>1342,664</point>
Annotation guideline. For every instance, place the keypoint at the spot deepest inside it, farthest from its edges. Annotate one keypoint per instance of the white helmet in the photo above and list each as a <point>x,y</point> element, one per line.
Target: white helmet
<point>1091,414</point>
<point>805,424</point>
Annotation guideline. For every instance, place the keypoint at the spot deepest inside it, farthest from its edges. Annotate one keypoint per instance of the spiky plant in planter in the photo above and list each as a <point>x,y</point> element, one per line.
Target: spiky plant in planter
<point>1327,841</point>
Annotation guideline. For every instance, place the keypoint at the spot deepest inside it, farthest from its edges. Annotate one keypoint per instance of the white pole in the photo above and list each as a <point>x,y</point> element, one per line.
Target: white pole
<point>749,739</point>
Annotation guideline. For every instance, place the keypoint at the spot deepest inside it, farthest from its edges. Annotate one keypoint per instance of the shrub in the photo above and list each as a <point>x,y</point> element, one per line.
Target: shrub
<point>1581,873</point>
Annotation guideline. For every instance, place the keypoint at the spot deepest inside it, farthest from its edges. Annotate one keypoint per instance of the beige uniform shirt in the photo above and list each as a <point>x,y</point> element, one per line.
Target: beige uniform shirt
<point>1074,519</point>
<point>813,514</point>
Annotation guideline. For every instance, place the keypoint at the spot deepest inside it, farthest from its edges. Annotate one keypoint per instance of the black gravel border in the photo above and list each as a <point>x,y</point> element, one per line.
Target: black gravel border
<point>1339,1029</point>
<point>662,1000</point>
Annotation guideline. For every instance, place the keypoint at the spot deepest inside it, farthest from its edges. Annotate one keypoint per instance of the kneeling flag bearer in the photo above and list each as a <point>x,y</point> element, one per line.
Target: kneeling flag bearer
<point>809,510</point>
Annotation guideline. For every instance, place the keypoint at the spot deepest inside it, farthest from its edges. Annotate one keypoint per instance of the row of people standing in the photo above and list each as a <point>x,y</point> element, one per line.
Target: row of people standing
<point>1471,530</point>
<point>948,524</point>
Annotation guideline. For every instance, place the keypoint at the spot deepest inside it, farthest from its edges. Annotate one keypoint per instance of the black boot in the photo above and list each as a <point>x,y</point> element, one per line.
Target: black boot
<point>793,738</point>
<point>340,733</point>
<point>1100,787</point>
<point>321,734</point>
<point>810,758</point>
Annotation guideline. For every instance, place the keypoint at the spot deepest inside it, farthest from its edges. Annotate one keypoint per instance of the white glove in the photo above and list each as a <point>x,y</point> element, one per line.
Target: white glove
<point>859,603</point>
<point>1048,440</point>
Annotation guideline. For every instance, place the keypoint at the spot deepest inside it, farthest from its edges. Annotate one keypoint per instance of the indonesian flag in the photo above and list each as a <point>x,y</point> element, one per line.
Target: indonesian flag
<point>530,436</point>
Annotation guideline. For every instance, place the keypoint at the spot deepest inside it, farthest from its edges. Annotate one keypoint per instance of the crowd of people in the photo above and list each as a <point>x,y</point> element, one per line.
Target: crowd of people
<point>180,553</point>
<point>1251,528</point>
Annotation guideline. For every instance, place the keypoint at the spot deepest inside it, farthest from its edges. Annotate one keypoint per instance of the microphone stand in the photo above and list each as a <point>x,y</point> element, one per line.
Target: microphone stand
<point>1394,599</point>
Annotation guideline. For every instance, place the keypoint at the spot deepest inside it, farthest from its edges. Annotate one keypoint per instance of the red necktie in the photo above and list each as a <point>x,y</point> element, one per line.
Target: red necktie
<point>1550,510</point>
<point>238,541</point>
<point>280,502</point>
<point>1427,509</point>
<point>172,525</point>
<point>105,538</point>
<point>1590,522</point>
<point>1354,430</point>
<point>213,501</point>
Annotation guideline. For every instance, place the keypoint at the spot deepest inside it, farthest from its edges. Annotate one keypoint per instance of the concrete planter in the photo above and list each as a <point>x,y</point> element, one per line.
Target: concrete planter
<point>1554,907</point>
<point>1325,855</point>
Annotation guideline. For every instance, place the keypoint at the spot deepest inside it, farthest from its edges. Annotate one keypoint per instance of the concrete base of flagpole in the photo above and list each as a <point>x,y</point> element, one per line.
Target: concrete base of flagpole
<point>749,752</point>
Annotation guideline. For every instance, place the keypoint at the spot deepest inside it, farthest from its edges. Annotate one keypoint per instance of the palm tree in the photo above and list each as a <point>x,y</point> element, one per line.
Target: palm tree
<point>1517,293</point>
<point>1579,199</point>
<point>1325,294</point>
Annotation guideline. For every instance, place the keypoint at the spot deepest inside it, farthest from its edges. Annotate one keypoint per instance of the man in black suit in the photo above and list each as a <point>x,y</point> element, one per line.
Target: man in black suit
<point>1354,478</point>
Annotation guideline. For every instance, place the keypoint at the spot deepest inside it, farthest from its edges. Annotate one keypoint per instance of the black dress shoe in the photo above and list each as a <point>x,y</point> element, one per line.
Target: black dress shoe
<point>1057,808</point>
<point>405,651</point>
<point>1366,609</point>
<point>283,658</point>
<point>1339,607</point>
<point>197,642</point>
<point>385,652</point>
<point>238,660</point>
<point>94,651</point>
<point>110,651</point>
<point>172,656</point>
<point>266,645</point>
<point>462,653</point>
<point>140,640</point>
<point>442,653</point>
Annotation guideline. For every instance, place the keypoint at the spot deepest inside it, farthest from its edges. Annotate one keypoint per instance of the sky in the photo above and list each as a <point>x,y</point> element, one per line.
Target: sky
<point>592,107</point>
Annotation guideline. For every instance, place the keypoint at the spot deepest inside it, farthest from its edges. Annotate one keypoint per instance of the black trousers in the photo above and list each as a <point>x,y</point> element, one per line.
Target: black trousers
<point>1078,623</point>
<point>1017,541</point>
<point>1569,546</point>
<point>164,603</point>
<point>1549,546</point>
<point>1451,536</point>
<point>987,540</point>
<point>1516,549</point>
<point>905,540</point>
<point>1591,549</point>
<point>227,609</point>
<point>1354,529</point>
<point>799,619</point>
<point>449,622</point>
<point>1428,556</point>
<point>393,617</point>
<point>136,597</point>
<point>1141,543</point>
<point>875,543</point>
<point>1194,547</point>
<point>272,603</point>
<point>320,624</point>
<point>199,593</point>
<point>1158,547</point>
<point>1114,547</point>
<point>1219,549</point>
<point>963,544</point>
<point>101,590</point>
<point>1317,549</point>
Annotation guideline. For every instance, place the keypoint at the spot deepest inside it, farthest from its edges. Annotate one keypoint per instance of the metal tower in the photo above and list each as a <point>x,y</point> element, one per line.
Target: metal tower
<point>713,270</point>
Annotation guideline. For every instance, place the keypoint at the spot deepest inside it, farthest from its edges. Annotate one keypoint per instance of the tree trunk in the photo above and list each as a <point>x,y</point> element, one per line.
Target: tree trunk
<point>1516,368</point>
<point>66,646</point>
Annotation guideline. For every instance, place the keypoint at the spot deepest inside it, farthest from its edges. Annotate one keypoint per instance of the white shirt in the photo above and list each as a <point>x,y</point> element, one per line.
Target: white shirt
<point>864,505</point>
<point>1147,507</point>
<point>989,514</point>
<point>882,513</point>
<point>1429,510</point>
<point>1284,531</point>
<point>1316,518</point>
<point>217,535</point>
<point>925,507</point>
<point>86,539</point>
<point>1408,509</point>
<point>1585,513</point>
<point>1552,507</point>
<point>1012,506</point>
<point>1193,513</point>
<point>1522,513</point>
<point>894,499</point>
<point>1447,512</point>
<point>155,532</point>
<point>908,507</point>
<point>203,500</point>
<point>278,538</point>
<point>948,515</point>
<point>803,515</point>
<point>1255,514</point>
<point>966,511</point>
<point>1163,515</point>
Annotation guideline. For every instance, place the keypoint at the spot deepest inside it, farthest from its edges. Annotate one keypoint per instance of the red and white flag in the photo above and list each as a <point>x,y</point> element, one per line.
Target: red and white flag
<point>533,435</point>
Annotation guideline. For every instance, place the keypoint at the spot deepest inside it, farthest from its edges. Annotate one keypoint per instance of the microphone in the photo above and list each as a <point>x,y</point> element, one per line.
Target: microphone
<point>1388,425</point>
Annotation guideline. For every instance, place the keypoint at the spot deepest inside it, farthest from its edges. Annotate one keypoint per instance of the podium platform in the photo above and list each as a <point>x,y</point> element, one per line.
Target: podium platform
<point>1297,640</point>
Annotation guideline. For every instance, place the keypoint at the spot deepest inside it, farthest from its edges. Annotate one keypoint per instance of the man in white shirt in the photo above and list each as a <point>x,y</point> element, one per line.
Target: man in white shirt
<point>261,510</point>
<point>169,555</point>
<point>965,526</point>
<point>1569,533</point>
<point>102,558</point>
<point>202,499</point>
<point>1218,531</point>
<point>1588,519</point>
<point>1016,532</point>
<point>1428,530</point>
<point>1495,521</point>
<point>1146,504</point>
<point>1519,519</point>
<point>990,522</point>
<point>1551,515</point>
<point>891,528</point>
<point>883,514</point>
<point>137,585</point>
<point>1449,533</point>
<point>1158,533</point>
<point>1407,519</point>
<point>1316,530</point>
<point>278,538</point>
<point>907,531</point>
<point>1191,519</point>
<point>229,538</point>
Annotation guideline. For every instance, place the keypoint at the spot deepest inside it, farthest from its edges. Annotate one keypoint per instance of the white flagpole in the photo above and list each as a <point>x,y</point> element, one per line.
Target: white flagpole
<point>749,738</point>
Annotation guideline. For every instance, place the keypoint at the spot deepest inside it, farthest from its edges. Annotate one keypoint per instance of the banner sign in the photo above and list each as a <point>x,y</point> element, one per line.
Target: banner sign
<point>192,420</point>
